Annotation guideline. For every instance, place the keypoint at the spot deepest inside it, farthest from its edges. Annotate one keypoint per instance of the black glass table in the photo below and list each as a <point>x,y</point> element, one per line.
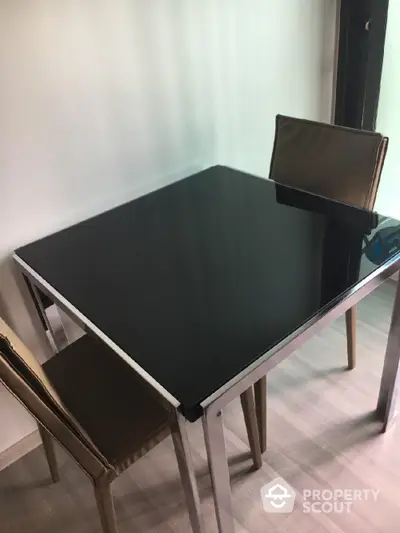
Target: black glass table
<point>204,286</point>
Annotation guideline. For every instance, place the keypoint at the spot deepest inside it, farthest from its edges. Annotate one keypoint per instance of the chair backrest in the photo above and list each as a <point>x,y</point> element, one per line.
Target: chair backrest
<point>24,377</point>
<point>338,163</point>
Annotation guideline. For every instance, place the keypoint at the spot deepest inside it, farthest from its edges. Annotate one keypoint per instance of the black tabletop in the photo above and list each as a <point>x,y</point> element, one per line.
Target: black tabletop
<point>197,280</point>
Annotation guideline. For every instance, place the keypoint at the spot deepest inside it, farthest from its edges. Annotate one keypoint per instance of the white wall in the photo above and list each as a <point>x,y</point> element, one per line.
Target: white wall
<point>388,120</point>
<point>97,100</point>
<point>277,58</point>
<point>102,101</point>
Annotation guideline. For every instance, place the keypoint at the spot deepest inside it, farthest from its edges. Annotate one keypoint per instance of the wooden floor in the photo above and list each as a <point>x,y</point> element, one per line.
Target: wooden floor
<point>321,435</point>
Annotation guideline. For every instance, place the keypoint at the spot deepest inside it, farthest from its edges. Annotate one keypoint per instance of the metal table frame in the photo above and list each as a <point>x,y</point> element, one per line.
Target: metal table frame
<point>213,406</point>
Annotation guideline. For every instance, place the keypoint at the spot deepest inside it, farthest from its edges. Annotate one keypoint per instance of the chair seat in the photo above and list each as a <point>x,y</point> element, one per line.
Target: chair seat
<point>117,409</point>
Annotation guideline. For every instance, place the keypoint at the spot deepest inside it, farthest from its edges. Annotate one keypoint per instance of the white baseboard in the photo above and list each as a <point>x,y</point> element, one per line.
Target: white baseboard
<point>19,449</point>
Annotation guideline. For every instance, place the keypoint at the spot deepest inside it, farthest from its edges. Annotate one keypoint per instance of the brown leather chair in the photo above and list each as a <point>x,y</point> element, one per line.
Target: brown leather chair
<point>98,409</point>
<point>343,164</point>
<point>338,163</point>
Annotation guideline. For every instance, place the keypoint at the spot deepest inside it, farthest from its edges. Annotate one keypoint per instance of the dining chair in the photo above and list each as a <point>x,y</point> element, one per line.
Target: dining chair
<point>335,162</point>
<point>103,414</point>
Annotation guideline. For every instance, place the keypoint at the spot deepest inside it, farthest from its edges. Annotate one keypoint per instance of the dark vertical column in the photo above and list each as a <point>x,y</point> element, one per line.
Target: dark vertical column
<point>360,59</point>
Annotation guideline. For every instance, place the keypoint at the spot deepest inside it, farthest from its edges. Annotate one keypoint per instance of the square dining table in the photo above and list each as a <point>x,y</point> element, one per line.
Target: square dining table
<point>205,285</point>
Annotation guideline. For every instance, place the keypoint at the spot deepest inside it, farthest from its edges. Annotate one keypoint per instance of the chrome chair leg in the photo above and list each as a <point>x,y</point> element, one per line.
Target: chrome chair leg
<point>250,418</point>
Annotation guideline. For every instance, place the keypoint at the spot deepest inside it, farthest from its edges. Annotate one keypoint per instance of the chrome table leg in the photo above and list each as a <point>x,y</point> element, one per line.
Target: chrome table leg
<point>186,470</point>
<point>390,380</point>
<point>49,326</point>
<point>218,467</point>
<point>28,295</point>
